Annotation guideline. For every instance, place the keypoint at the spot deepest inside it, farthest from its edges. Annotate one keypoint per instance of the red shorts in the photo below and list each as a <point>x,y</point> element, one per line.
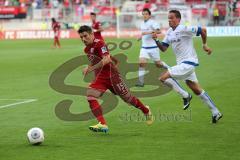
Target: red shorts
<point>56,34</point>
<point>115,84</point>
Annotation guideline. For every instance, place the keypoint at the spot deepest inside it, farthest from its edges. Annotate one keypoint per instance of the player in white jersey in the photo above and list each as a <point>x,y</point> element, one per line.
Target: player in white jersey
<point>149,49</point>
<point>180,37</point>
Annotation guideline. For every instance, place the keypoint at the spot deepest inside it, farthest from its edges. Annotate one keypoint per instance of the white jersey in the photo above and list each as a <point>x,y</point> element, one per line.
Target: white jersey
<point>146,26</point>
<point>182,43</point>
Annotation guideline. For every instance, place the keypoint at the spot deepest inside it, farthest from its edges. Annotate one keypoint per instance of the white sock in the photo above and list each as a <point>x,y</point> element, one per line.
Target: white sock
<point>176,87</point>
<point>206,99</point>
<point>141,73</point>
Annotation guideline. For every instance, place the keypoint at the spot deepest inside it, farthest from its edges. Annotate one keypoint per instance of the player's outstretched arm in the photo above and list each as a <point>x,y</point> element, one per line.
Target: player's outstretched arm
<point>157,31</point>
<point>85,71</point>
<point>159,44</point>
<point>116,62</point>
<point>100,29</point>
<point>204,41</point>
<point>106,59</point>
<point>146,33</point>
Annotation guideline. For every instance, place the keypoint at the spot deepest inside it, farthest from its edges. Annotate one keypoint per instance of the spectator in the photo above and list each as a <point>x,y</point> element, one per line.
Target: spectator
<point>215,16</point>
<point>2,2</point>
<point>7,3</point>
<point>66,3</point>
<point>39,4</point>
<point>235,5</point>
<point>55,3</point>
<point>1,32</point>
<point>147,4</point>
<point>34,5</point>
<point>80,9</point>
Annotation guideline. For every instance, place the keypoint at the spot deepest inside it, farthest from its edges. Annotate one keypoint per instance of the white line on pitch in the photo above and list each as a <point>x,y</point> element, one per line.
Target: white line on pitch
<point>5,99</point>
<point>17,103</point>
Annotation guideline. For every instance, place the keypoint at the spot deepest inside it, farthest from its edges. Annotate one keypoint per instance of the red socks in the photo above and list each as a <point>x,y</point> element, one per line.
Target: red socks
<point>56,42</point>
<point>96,110</point>
<point>138,104</point>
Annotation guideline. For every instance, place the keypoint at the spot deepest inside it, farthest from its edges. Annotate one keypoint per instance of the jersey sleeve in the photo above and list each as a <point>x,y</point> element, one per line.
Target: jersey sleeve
<point>155,26</point>
<point>165,41</point>
<point>98,25</point>
<point>58,25</point>
<point>192,30</point>
<point>102,49</point>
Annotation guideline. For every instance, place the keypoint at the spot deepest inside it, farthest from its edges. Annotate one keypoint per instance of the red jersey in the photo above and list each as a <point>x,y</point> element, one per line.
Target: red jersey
<point>95,53</point>
<point>96,25</point>
<point>56,26</point>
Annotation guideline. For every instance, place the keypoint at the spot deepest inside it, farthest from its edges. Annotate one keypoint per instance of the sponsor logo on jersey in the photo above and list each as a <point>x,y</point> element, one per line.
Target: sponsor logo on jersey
<point>104,49</point>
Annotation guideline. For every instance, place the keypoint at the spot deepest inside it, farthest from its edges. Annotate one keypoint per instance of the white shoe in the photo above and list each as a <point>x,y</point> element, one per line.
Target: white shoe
<point>216,118</point>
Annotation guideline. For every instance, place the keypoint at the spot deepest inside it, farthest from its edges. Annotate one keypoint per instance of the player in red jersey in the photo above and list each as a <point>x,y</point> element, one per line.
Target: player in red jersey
<point>96,26</point>
<point>56,29</point>
<point>106,77</point>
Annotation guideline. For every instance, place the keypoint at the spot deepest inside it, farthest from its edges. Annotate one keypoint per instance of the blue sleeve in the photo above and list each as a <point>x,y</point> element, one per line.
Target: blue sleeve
<point>165,44</point>
<point>199,31</point>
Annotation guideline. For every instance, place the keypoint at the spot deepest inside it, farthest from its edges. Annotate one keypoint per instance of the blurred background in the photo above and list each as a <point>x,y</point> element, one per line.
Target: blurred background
<point>119,18</point>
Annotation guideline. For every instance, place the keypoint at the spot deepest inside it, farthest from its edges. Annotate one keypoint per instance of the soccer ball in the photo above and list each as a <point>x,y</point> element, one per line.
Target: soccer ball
<point>35,136</point>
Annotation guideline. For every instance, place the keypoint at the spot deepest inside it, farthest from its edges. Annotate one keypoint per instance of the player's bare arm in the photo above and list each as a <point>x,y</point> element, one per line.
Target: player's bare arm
<point>159,44</point>
<point>145,33</point>
<point>100,29</point>
<point>106,59</point>
<point>204,41</point>
<point>85,70</point>
<point>157,31</point>
<point>116,62</point>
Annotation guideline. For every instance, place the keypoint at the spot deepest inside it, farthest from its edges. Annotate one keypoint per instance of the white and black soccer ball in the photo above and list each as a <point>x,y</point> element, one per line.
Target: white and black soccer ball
<point>35,136</point>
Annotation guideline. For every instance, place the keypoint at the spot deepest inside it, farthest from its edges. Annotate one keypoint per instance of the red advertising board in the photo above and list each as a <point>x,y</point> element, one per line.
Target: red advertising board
<point>64,34</point>
<point>7,12</point>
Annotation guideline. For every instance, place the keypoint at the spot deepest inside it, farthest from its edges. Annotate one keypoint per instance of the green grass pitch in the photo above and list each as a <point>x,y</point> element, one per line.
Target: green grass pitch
<point>26,65</point>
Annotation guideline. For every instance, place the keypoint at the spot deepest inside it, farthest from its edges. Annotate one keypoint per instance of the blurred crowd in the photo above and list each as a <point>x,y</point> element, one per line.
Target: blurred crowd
<point>39,4</point>
<point>78,10</point>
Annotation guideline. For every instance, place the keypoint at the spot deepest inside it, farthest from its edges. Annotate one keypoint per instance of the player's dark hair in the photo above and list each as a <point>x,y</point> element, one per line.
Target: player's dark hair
<point>176,12</point>
<point>93,14</point>
<point>85,28</point>
<point>146,10</point>
<point>53,20</point>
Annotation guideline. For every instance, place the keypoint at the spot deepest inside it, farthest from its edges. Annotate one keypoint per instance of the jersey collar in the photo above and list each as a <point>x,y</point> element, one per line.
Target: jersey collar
<point>145,21</point>
<point>176,27</point>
